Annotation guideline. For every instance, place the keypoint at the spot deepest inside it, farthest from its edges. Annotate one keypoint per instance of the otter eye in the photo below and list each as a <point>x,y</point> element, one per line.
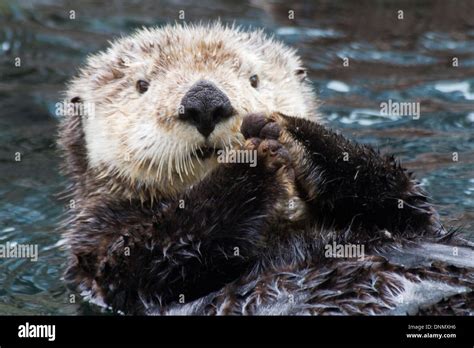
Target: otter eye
<point>142,86</point>
<point>254,81</point>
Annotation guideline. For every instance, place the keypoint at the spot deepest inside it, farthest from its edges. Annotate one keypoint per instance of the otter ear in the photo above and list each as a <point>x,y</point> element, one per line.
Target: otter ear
<point>301,73</point>
<point>76,100</point>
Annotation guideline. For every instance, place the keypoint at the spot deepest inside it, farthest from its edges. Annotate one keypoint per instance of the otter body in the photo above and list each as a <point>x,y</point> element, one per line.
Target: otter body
<point>159,226</point>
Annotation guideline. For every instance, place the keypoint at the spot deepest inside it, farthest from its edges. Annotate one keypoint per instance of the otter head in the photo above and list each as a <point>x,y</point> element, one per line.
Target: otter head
<point>165,100</point>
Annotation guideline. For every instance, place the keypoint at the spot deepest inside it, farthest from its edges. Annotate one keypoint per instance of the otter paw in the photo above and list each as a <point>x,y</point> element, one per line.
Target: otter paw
<point>270,153</point>
<point>259,126</point>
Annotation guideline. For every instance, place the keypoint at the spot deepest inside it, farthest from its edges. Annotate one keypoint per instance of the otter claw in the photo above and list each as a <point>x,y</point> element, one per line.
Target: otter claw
<point>259,126</point>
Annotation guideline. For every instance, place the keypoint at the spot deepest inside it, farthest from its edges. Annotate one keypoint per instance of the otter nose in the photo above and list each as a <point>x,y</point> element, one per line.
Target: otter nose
<point>204,106</point>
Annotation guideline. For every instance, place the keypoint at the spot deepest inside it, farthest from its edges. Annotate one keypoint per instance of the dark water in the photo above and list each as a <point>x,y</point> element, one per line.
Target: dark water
<point>403,60</point>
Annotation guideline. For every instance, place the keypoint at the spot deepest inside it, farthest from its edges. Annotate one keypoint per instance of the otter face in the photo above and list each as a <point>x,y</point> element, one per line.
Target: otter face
<point>166,99</point>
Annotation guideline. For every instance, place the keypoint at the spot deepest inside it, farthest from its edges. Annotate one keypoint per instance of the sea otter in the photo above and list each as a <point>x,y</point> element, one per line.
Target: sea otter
<point>158,225</point>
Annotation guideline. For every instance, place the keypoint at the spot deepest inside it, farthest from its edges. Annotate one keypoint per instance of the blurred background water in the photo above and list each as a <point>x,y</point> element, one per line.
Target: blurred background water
<point>409,60</point>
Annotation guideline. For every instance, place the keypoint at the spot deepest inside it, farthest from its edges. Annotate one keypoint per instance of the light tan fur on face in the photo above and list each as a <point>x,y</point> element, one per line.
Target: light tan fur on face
<point>139,139</point>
